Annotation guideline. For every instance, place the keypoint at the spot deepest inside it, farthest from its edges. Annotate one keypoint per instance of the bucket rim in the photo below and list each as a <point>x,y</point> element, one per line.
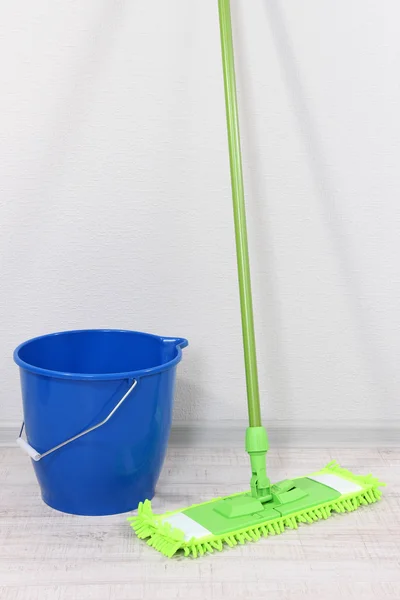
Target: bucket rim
<point>180,344</point>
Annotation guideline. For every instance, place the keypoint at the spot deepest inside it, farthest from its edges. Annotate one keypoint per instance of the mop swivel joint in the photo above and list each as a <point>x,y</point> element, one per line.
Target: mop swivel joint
<point>257,446</point>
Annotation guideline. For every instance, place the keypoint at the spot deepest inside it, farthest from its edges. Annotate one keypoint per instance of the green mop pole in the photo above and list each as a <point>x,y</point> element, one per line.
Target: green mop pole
<point>256,436</point>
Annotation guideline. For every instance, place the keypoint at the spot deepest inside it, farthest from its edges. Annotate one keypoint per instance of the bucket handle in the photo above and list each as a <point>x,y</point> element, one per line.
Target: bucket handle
<point>36,456</point>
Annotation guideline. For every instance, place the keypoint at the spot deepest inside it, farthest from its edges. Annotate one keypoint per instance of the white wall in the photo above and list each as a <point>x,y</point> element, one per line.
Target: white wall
<point>115,202</point>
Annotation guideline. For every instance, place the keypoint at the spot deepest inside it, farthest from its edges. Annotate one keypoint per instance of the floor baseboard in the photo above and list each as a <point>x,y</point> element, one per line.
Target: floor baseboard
<point>286,434</point>
<point>281,434</point>
<point>8,433</point>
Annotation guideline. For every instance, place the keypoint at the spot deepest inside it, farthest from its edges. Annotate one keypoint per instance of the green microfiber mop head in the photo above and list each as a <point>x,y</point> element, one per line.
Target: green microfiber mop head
<point>241,518</point>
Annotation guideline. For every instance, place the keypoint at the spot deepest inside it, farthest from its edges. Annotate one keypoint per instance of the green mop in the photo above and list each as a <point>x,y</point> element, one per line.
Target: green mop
<point>265,509</point>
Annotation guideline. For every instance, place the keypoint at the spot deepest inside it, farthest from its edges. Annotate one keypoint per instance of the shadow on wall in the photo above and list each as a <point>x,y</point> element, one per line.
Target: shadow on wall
<point>315,155</point>
<point>191,399</point>
<point>276,364</point>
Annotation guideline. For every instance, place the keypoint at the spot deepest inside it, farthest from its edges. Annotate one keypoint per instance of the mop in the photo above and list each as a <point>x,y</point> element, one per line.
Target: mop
<point>266,509</point>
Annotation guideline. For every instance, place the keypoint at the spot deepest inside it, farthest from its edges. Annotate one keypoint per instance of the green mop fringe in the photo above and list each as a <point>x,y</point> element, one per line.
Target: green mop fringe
<point>168,540</point>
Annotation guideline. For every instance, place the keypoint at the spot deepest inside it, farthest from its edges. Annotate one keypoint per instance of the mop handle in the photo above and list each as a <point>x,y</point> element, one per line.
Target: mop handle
<point>239,211</point>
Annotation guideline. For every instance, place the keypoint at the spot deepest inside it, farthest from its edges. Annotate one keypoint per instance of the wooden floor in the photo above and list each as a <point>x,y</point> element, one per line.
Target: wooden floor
<point>46,555</point>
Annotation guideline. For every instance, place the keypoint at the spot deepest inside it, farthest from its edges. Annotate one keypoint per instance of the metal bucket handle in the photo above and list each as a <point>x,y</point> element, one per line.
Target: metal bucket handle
<point>36,456</point>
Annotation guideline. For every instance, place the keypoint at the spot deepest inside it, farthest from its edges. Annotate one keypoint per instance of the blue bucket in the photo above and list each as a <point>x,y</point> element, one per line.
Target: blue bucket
<point>97,413</point>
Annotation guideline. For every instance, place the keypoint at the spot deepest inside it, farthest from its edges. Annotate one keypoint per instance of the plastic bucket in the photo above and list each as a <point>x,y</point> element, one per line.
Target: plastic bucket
<point>97,413</point>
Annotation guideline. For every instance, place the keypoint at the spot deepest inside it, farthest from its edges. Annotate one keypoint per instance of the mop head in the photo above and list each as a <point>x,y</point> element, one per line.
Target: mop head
<point>241,518</point>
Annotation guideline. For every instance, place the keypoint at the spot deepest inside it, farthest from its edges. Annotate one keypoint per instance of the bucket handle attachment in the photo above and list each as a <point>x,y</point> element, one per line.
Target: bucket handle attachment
<point>36,456</point>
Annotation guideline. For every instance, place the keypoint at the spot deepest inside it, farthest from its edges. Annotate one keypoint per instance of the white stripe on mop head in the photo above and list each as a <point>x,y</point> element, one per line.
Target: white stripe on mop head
<point>344,486</point>
<point>190,528</point>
